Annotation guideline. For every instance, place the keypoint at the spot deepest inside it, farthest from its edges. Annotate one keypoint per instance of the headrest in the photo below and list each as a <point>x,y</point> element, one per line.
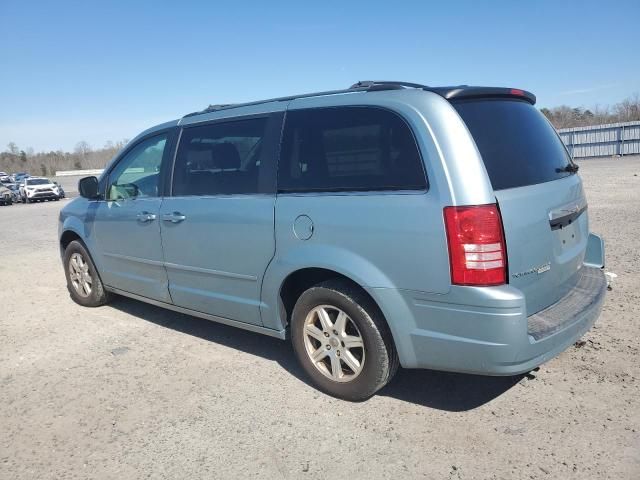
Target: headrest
<point>199,158</point>
<point>225,156</point>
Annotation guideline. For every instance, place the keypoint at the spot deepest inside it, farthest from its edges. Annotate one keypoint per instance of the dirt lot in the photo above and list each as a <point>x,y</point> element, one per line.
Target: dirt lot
<point>132,391</point>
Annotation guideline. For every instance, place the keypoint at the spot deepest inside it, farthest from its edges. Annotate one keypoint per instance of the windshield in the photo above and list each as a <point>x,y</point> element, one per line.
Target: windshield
<point>38,181</point>
<point>518,145</point>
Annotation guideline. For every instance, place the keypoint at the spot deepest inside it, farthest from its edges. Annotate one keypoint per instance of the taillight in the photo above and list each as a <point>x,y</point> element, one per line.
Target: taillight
<point>477,252</point>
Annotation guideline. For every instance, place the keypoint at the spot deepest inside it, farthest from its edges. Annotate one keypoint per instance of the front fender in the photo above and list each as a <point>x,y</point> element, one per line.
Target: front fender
<point>77,217</point>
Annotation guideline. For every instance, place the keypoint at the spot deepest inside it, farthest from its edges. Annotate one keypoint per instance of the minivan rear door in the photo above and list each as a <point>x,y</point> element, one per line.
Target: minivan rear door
<point>540,197</point>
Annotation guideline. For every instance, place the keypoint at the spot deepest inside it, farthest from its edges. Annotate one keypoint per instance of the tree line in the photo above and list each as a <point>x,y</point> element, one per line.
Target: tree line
<point>565,116</point>
<point>14,159</point>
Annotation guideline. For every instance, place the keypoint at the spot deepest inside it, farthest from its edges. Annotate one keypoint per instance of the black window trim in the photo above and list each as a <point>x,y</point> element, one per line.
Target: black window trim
<point>170,133</point>
<point>363,190</point>
<point>268,157</point>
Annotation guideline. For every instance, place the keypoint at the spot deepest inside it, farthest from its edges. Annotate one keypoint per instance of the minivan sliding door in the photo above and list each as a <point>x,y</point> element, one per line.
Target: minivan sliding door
<point>217,224</point>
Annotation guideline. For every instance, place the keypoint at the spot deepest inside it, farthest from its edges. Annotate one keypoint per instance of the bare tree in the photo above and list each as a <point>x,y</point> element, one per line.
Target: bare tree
<point>82,148</point>
<point>629,109</point>
<point>83,156</point>
<point>12,148</point>
<point>565,117</point>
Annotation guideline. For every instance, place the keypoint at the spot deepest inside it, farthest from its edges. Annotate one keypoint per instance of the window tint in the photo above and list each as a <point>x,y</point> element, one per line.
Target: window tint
<point>220,158</point>
<point>348,148</point>
<point>38,181</point>
<point>136,175</point>
<point>518,145</point>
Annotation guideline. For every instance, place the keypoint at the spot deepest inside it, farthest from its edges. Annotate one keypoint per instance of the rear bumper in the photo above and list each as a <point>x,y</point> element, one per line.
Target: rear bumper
<point>486,330</point>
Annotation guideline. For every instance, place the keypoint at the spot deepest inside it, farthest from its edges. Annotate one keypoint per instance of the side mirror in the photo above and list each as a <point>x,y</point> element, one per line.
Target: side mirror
<point>88,188</point>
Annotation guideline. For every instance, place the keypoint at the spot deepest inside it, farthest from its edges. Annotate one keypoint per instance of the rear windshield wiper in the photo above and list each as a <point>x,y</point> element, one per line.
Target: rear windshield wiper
<point>571,168</point>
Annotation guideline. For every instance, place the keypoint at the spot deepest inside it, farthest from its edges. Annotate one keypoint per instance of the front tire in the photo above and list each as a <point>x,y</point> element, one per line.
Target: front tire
<point>342,341</point>
<point>83,281</point>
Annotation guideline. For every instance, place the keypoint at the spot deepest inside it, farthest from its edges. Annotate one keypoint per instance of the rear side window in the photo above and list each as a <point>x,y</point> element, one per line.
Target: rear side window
<point>518,145</point>
<point>348,149</point>
<point>219,158</point>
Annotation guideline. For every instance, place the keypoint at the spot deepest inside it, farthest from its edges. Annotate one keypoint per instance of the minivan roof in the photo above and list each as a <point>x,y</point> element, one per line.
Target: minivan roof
<point>448,92</point>
<point>451,93</point>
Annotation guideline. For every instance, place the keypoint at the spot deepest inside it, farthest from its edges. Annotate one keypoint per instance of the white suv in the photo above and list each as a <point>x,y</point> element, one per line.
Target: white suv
<point>38,189</point>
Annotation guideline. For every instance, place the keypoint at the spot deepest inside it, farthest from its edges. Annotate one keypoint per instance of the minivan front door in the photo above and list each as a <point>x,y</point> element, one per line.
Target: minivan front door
<point>126,223</point>
<point>217,225</point>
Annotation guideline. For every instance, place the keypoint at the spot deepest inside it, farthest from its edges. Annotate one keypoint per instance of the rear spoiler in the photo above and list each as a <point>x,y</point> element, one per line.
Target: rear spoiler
<point>464,92</point>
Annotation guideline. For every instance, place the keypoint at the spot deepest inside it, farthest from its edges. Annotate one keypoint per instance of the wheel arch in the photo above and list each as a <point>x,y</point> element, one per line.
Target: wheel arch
<point>327,261</point>
<point>67,237</point>
<point>70,231</point>
<point>300,280</point>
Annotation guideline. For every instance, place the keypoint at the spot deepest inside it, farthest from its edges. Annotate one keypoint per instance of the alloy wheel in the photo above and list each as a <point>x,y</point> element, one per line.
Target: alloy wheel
<point>334,343</point>
<point>79,275</point>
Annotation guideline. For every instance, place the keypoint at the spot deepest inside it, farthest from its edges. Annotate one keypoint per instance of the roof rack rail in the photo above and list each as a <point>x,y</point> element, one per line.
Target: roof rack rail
<point>450,93</point>
<point>363,86</point>
<point>391,85</point>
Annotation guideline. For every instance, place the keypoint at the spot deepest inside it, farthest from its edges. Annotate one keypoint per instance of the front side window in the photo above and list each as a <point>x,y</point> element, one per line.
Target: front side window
<point>219,158</point>
<point>348,148</point>
<point>137,174</point>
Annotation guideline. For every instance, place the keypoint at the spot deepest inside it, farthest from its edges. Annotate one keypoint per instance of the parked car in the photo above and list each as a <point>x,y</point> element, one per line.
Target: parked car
<point>15,192</point>
<point>18,177</point>
<point>382,225</point>
<point>61,193</point>
<point>5,196</point>
<point>36,189</point>
<point>5,179</point>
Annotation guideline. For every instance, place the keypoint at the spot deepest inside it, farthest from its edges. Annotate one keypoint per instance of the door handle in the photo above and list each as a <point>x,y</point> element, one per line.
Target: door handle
<point>144,217</point>
<point>174,217</point>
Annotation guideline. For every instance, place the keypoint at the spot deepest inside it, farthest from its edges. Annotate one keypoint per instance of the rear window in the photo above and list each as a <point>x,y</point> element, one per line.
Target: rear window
<point>518,145</point>
<point>348,148</point>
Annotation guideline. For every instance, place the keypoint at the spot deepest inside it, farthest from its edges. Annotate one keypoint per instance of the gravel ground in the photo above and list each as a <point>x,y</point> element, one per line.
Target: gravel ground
<point>133,391</point>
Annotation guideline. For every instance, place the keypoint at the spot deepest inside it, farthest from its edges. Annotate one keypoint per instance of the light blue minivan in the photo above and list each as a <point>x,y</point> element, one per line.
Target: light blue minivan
<point>387,224</point>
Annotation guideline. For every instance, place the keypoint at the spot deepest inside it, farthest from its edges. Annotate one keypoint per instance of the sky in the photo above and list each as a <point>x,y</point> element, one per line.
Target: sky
<point>98,71</point>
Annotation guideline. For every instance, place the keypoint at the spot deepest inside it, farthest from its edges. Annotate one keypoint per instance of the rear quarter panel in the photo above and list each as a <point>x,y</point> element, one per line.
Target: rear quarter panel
<point>392,240</point>
<point>379,240</point>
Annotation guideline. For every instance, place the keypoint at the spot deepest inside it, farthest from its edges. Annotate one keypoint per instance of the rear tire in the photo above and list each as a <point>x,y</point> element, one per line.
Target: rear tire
<point>342,340</point>
<point>83,282</point>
